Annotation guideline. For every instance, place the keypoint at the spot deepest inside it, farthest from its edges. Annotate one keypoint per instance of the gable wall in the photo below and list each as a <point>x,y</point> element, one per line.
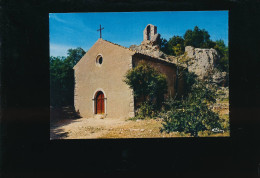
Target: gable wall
<point>89,78</point>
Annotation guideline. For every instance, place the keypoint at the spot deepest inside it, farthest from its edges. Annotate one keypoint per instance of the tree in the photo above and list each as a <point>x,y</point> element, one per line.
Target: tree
<point>192,114</point>
<point>163,45</point>
<point>178,50</point>
<point>148,84</point>
<point>176,45</point>
<point>223,63</point>
<point>57,79</point>
<point>74,55</point>
<point>198,38</point>
<point>62,77</point>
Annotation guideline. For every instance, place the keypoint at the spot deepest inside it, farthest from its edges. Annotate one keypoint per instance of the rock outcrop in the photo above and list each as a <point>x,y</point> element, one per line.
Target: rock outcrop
<point>200,61</point>
<point>203,63</point>
<point>150,48</point>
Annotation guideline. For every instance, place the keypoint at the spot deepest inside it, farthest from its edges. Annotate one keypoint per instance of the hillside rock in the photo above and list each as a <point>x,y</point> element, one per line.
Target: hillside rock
<point>150,48</point>
<point>200,61</point>
<point>203,63</point>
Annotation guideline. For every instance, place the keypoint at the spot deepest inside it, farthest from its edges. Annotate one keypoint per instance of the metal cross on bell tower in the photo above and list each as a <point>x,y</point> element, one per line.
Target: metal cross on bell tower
<point>100,31</point>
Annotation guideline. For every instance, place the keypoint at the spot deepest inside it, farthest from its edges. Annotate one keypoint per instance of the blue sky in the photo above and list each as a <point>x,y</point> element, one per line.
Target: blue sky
<point>71,30</point>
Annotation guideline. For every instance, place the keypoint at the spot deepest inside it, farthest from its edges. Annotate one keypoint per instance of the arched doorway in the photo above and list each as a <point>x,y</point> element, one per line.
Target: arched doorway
<point>99,103</point>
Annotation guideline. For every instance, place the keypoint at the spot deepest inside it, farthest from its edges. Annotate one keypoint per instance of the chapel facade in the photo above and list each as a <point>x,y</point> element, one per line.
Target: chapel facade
<point>99,86</point>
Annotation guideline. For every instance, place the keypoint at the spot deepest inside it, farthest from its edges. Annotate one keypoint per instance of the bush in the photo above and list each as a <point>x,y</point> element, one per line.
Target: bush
<point>190,118</point>
<point>189,80</point>
<point>148,84</point>
<point>192,114</point>
<point>146,110</point>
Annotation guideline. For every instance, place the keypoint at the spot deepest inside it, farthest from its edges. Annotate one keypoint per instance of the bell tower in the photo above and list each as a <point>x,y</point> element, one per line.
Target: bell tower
<point>150,32</point>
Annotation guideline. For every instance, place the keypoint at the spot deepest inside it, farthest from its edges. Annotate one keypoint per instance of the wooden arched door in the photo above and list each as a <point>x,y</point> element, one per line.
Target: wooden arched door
<point>100,104</point>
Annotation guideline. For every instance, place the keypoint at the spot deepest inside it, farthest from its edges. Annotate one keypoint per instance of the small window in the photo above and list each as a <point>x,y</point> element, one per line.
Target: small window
<point>99,60</point>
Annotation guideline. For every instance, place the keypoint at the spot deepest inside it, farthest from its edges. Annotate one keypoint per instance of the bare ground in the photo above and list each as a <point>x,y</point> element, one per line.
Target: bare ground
<point>85,128</point>
<point>94,128</point>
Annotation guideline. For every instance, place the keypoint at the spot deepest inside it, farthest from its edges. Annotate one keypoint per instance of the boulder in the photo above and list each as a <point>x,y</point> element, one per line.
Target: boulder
<point>202,61</point>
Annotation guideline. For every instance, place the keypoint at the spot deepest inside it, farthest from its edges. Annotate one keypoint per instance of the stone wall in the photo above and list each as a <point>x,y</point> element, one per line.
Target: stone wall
<point>163,67</point>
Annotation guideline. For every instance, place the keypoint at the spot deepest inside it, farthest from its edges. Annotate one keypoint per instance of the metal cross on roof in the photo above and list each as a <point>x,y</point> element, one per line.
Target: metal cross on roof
<point>100,31</point>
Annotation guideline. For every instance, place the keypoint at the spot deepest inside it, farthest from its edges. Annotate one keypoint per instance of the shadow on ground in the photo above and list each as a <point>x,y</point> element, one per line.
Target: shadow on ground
<point>58,134</point>
<point>60,116</point>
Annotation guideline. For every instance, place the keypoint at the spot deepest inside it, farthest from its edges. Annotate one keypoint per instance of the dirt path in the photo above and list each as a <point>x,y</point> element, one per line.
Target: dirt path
<point>85,128</point>
<point>94,128</point>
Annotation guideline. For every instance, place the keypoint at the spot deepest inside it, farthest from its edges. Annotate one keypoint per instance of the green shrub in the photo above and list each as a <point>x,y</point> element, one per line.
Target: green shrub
<point>189,80</point>
<point>223,63</point>
<point>192,114</point>
<point>190,118</point>
<point>146,110</point>
<point>148,84</point>
<point>225,123</point>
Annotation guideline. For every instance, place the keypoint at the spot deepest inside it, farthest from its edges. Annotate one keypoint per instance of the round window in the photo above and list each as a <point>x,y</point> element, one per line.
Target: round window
<point>99,60</point>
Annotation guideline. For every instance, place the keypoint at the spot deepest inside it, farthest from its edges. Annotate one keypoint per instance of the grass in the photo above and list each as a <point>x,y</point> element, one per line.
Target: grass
<point>148,124</point>
<point>148,128</point>
<point>225,116</point>
<point>224,100</point>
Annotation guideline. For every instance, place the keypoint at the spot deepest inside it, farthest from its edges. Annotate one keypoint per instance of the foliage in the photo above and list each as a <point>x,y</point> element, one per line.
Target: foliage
<point>178,49</point>
<point>146,110</point>
<point>57,81</point>
<point>192,114</point>
<point>198,38</point>
<point>163,44</point>
<point>62,77</point>
<point>189,79</point>
<point>175,46</point>
<point>74,55</point>
<point>147,83</point>
<point>223,63</point>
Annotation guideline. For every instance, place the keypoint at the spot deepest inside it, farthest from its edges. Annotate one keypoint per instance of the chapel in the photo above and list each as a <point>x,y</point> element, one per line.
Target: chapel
<point>99,86</point>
